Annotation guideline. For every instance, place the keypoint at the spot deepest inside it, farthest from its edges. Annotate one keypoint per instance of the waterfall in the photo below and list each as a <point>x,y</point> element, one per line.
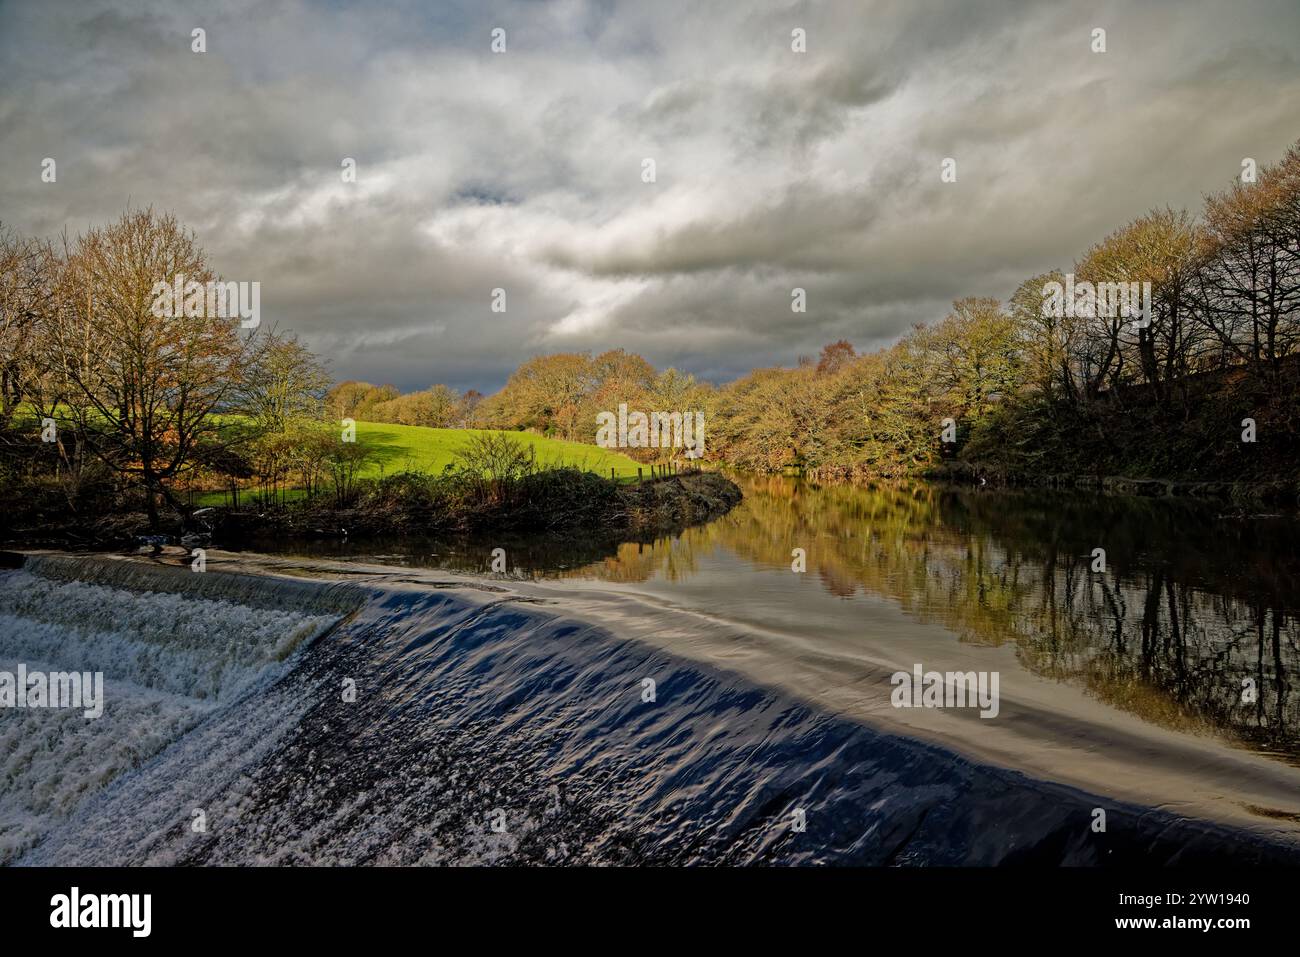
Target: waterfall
<point>173,647</point>
<point>408,718</point>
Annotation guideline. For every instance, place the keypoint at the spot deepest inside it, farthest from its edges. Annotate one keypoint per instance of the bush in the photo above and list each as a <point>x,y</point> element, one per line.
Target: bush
<point>493,466</point>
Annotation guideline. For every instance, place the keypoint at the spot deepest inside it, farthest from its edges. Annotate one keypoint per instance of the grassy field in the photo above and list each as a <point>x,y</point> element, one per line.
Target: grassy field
<point>414,448</point>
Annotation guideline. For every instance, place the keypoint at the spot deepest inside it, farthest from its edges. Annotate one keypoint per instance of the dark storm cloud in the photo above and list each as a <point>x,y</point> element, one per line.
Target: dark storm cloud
<point>522,170</point>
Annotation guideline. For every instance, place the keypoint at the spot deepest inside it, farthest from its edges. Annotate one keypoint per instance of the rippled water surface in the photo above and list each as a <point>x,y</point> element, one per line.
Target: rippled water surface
<point>1194,606</point>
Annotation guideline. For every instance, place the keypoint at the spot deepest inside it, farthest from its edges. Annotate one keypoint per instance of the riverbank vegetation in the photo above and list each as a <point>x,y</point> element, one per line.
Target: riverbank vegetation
<point>116,419</point>
<point>1205,387</point>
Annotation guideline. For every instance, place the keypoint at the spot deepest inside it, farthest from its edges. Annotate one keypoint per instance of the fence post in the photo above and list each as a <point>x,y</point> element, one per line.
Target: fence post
<point>638,473</point>
<point>611,473</point>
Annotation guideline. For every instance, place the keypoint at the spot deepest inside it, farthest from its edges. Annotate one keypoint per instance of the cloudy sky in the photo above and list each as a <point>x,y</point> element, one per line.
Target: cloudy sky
<point>523,170</point>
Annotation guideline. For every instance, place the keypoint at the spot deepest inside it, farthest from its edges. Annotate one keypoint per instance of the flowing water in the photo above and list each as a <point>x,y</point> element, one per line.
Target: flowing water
<point>692,699</point>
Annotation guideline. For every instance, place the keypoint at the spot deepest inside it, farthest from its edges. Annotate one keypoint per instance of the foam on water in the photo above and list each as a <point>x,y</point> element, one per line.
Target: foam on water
<point>210,650</point>
<point>169,659</point>
<point>53,759</point>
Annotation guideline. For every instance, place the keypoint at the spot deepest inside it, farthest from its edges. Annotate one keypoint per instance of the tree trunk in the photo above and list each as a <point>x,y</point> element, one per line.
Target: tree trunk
<point>151,507</point>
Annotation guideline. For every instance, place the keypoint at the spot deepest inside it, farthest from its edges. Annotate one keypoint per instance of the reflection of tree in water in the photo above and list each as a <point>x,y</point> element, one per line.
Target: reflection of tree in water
<point>1168,651</point>
<point>527,556</point>
<point>1189,607</point>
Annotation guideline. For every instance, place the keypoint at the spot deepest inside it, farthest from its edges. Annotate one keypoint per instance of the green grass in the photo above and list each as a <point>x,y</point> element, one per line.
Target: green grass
<point>414,448</point>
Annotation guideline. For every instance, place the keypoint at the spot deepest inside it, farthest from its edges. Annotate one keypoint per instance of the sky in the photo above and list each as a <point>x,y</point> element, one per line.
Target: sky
<point>525,170</point>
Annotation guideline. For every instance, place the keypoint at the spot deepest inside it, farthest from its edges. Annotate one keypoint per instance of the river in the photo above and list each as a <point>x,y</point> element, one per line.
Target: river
<point>702,698</point>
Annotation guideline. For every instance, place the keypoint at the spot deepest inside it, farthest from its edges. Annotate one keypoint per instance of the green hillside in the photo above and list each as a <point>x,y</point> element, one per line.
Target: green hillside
<point>414,448</point>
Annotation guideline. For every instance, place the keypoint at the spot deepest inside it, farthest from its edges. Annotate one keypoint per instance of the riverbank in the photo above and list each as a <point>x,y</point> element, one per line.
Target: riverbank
<point>562,502</point>
<point>1280,493</point>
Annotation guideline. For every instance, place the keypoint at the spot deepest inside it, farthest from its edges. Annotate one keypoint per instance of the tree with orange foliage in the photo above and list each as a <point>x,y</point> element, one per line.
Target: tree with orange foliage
<point>142,390</point>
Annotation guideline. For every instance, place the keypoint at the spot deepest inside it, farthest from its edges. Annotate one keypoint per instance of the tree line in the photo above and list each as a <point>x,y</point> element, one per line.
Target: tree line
<point>1165,393</point>
<point>557,395</point>
<point>1204,382</point>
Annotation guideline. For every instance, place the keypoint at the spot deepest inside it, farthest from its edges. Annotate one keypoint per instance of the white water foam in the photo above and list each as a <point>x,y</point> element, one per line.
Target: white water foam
<point>169,661</point>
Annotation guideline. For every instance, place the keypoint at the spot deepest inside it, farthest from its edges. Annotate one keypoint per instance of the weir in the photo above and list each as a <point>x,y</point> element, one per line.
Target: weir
<point>256,591</point>
<point>473,707</point>
<point>173,648</point>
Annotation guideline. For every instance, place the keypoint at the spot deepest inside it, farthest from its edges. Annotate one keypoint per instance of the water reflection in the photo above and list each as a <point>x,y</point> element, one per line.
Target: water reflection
<point>1191,627</point>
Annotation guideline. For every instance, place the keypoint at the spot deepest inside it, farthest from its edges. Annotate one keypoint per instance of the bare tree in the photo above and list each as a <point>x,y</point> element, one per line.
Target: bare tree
<point>286,382</point>
<point>27,270</point>
<point>1249,284</point>
<point>142,388</point>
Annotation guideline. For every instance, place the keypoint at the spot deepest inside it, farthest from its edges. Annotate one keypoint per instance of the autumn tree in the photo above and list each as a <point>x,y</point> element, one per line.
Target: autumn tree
<point>835,356</point>
<point>466,410</point>
<point>356,400</point>
<point>1153,345</point>
<point>1049,341</point>
<point>435,408</point>
<point>976,353</point>
<point>143,389</point>
<point>549,393</point>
